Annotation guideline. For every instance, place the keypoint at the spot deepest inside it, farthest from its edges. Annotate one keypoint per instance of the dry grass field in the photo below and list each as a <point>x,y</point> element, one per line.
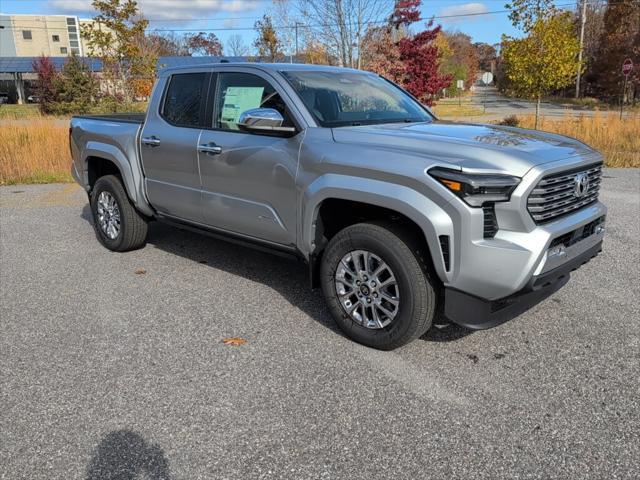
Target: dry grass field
<point>36,150</point>
<point>618,140</point>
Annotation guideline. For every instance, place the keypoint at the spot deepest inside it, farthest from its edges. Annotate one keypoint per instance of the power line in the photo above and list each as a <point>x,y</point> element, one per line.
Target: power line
<point>291,27</point>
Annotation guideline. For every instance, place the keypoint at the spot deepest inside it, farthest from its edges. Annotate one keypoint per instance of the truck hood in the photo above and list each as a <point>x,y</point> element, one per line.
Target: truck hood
<point>472,147</point>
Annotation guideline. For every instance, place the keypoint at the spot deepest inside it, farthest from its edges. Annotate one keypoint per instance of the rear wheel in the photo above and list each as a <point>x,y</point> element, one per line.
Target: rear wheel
<point>118,225</point>
<point>376,286</point>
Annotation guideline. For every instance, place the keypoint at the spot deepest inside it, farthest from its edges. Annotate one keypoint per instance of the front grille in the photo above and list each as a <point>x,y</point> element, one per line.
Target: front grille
<point>554,195</point>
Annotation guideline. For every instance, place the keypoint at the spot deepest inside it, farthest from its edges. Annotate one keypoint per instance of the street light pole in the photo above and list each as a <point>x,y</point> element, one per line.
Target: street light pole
<point>583,21</point>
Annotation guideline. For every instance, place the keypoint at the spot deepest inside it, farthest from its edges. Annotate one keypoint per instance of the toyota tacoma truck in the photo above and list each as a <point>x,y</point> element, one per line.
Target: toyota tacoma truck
<point>404,220</point>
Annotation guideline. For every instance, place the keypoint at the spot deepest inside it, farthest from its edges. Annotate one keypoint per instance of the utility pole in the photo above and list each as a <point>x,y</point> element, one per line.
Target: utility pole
<point>296,30</point>
<point>583,21</point>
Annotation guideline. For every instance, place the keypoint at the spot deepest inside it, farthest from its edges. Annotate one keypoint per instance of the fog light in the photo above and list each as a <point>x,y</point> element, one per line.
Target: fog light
<point>557,251</point>
<point>599,229</point>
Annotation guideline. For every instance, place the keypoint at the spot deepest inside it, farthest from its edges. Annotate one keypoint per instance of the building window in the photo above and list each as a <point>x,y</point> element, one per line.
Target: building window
<point>76,51</point>
<point>71,21</point>
<point>26,34</point>
<point>63,50</point>
<point>74,43</point>
<point>55,38</point>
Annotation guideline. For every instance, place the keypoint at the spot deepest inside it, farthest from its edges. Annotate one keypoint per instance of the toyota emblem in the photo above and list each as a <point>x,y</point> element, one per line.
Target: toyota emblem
<point>580,185</point>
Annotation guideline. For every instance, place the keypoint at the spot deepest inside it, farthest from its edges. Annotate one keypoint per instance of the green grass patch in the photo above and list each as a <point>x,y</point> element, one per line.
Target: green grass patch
<point>12,112</point>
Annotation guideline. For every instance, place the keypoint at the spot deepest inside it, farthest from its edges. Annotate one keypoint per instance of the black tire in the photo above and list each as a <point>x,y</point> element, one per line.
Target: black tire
<point>417,292</point>
<point>133,226</point>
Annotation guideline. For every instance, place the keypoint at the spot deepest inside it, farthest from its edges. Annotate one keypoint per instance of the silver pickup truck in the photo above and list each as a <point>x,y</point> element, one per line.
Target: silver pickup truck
<point>402,219</point>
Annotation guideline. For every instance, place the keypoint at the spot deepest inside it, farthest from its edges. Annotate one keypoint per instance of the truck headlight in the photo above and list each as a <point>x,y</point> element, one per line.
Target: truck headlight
<point>476,189</point>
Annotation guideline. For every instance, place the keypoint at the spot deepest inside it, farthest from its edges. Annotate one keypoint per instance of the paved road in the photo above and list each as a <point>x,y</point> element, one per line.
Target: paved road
<point>105,373</point>
<point>498,106</point>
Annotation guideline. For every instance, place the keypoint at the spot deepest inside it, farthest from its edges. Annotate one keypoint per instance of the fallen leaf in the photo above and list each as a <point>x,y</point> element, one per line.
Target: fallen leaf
<point>139,271</point>
<point>235,341</point>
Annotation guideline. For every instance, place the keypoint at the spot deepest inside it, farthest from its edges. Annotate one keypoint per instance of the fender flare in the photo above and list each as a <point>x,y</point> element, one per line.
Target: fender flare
<point>131,178</point>
<point>424,212</point>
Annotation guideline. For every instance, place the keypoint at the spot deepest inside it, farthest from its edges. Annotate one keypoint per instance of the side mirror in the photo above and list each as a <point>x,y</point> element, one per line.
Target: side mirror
<point>264,120</point>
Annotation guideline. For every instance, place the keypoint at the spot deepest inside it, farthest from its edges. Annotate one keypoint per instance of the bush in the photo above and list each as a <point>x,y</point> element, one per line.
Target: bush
<point>510,121</point>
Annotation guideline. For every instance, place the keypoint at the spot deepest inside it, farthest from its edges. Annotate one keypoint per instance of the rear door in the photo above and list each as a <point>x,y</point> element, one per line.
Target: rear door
<point>169,143</point>
<point>248,179</point>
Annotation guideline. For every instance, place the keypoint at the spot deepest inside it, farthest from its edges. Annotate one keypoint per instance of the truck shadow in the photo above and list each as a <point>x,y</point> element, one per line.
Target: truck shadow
<point>125,455</point>
<point>286,276</point>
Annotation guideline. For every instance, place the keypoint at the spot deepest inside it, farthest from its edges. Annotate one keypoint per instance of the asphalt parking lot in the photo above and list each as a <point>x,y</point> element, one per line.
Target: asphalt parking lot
<point>107,373</point>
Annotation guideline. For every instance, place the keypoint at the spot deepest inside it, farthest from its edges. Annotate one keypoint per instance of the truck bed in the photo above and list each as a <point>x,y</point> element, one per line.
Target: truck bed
<point>116,117</point>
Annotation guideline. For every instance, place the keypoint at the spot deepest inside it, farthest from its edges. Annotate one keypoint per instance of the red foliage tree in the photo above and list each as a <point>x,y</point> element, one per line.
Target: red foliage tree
<point>410,60</point>
<point>45,85</point>
<point>204,44</point>
<point>419,54</point>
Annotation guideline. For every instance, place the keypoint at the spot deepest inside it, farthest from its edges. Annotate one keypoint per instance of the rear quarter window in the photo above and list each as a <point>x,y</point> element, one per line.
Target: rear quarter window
<point>185,99</point>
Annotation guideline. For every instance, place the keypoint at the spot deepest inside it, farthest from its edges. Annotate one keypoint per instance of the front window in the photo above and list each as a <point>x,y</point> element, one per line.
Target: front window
<point>338,99</point>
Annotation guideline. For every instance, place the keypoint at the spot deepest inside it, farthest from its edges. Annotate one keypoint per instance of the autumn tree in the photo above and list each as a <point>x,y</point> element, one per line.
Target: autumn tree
<point>203,44</point>
<point>458,58</point>
<point>620,39</point>
<point>413,58</point>
<point>45,84</point>
<point>267,42</point>
<point>487,56</point>
<point>114,36</point>
<point>524,14</point>
<point>546,59</point>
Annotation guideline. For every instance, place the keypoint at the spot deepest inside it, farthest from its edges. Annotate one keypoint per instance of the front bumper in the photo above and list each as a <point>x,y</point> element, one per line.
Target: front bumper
<point>477,313</point>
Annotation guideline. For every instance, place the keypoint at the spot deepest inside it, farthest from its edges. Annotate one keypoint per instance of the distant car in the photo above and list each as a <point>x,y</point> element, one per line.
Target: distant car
<point>33,99</point>
<point>4,98</point>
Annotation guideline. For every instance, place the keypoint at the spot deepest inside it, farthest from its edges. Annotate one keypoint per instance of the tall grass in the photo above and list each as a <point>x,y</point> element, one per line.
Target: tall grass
<point>34,151</point>
<point>37,150</point>
<point>618,140</point>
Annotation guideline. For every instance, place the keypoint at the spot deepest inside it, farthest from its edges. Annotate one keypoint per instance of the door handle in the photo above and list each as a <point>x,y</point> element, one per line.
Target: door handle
<point>210,148</point>
<point>151,141</point>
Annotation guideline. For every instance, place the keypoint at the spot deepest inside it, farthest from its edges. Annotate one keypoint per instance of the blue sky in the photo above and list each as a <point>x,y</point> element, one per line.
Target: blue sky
<point>228,17</point>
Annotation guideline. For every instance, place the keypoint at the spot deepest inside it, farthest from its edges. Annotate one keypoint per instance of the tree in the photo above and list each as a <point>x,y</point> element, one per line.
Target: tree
<point>236,46</point>
<point>45,85</point>
<point>203,44</point>
<point>487,56</point>
<point>411,60</point>
<point>544,60</point>
<point>620,39</point>
<point>267,43</point>
<point>524,14</point>
<point>463,63</point>
<point>341,25</point>
<point>114,36</point>
<point>76,87</point>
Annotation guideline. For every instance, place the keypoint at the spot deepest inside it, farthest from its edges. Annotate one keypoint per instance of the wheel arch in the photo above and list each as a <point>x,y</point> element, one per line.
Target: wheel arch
<point>368,199</point>
<point>104,159</point>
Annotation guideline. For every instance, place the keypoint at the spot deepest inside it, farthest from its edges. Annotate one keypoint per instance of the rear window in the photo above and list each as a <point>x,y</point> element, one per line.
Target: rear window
<point>184,101</point>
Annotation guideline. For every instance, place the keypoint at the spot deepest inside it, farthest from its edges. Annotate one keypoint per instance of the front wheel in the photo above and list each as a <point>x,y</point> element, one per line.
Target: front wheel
<point>376,285</point>
<point>118,225</point>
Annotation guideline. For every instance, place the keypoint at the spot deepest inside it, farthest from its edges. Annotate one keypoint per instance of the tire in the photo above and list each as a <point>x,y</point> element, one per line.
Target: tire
<point>417,296</point>
<point>132,231</point>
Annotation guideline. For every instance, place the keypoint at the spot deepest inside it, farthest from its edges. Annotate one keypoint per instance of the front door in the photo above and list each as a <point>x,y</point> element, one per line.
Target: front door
<point>169,143</point>
<point>248,179</point>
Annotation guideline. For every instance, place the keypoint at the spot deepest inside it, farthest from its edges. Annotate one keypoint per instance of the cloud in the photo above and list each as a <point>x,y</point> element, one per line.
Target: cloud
<point>467,11</point>
<point>176,10</point>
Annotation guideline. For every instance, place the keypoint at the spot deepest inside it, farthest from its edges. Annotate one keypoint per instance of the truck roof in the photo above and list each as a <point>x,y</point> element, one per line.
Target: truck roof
<point>262,66</point>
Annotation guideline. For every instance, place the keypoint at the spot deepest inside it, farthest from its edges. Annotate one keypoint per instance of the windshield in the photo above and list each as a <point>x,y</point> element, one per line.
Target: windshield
<point>338,99</point>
